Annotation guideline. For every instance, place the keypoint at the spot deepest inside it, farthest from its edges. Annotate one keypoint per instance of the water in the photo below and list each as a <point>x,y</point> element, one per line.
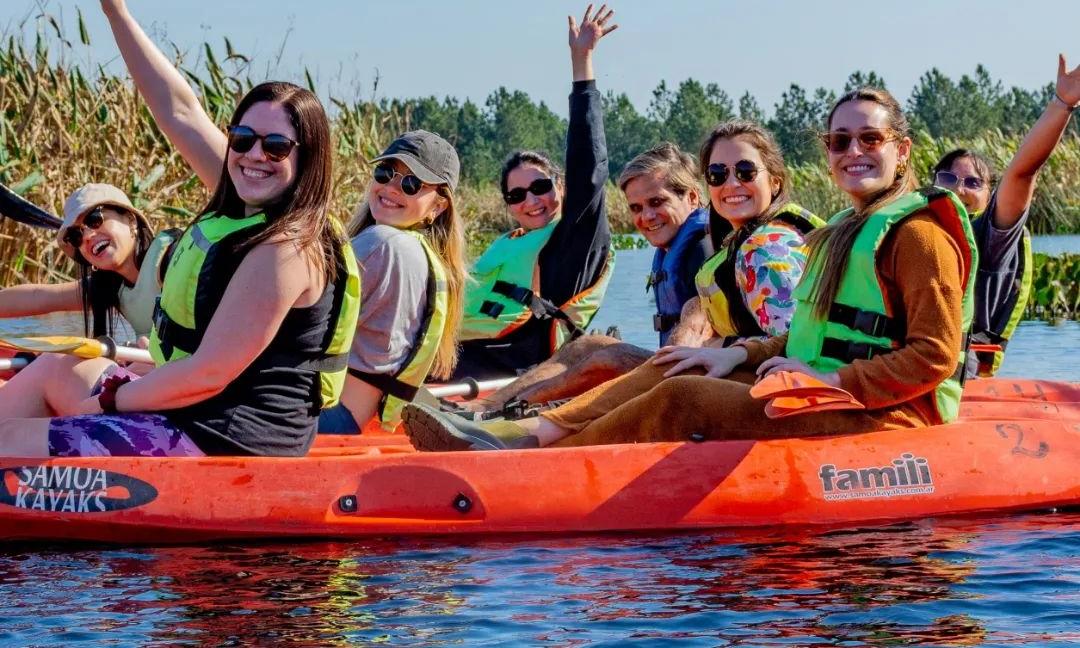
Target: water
<point>1005,580</point>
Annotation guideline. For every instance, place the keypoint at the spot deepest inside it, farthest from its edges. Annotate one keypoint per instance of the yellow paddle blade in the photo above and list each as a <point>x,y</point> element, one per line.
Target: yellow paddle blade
<point>68,344</point>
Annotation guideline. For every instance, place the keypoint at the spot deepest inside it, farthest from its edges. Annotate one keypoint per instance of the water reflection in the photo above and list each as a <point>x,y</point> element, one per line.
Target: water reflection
<point>936,582</point>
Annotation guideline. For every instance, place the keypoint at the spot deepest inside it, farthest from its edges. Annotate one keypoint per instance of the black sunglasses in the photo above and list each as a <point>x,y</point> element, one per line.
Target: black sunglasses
<point>410,184</point>
<point>870,139</point>
<point>950,180</point>
<point>717,174</point>
<point>538,187</point>
<point>74,234</point>
<point>276,146</point>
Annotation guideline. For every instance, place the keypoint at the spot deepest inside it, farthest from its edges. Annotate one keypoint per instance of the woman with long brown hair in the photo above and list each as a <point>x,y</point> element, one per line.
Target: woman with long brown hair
<point>882,313</point>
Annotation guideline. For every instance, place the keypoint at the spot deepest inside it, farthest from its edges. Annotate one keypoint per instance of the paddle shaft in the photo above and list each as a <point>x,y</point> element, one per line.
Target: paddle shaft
<point>470,388</point>
<point>17,208</point>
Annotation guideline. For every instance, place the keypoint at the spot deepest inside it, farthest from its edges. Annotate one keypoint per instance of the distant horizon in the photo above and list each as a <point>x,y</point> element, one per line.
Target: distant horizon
<point>528,52</point>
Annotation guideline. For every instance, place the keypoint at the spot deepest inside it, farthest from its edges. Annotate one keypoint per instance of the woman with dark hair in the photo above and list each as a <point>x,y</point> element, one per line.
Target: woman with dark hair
<point>259,301</point>
<point>540,285</point>
<point>118,259</point>
<point>882,311</point>
<point>999,214</point>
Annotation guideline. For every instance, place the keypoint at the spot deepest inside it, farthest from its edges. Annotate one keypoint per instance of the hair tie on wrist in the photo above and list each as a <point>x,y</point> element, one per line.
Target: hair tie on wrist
<point>1069,106</point>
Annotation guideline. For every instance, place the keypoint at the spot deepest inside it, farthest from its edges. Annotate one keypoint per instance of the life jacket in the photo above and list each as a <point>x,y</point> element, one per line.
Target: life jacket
<point>401,387</point>
<point>137,303</point>
<point>668,267</point>
<point>201,266</point>
<point>505,295</point>
<point>990,361</point>
<point>720,296</point>
<point>859,324</point>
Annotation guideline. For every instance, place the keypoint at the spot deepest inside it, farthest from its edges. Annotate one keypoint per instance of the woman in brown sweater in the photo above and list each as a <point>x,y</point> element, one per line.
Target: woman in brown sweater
<point>881,313</point>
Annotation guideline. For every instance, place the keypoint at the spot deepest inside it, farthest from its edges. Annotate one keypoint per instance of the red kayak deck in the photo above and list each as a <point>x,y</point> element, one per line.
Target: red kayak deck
<point>356,491</point>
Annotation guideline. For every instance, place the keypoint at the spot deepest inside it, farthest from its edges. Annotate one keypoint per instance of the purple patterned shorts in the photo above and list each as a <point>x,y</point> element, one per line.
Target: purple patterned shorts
<point>126,434</point>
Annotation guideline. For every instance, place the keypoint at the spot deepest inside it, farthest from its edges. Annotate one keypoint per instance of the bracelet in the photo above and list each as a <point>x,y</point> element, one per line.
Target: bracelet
<point>107,397</point>
<point>1068,106</point>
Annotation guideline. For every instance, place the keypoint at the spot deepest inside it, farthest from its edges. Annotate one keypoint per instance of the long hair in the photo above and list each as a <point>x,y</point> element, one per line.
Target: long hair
<point>446,234</point>
<point>830,246</point>
<point>301,214</point>
<point>99,290</point>
<point>765,144</point>
<point>535,158</point>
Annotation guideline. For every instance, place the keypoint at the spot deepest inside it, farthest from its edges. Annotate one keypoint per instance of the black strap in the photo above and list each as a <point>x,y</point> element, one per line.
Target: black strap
<point>663,323</point>
<point>387,384</point>
<point>542,309</point>
<point>847,352</point>
<point>172,335</point>
<point>867,322</point>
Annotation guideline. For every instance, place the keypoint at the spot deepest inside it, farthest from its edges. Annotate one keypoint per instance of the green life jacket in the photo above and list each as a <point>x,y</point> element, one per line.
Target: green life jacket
<point>859,324</point>
<point>187,302</point>
<point>504,296</point>
<point>990,361</point>
<point>137,303</point>
<point>720,297</point>
<point>400,388</point>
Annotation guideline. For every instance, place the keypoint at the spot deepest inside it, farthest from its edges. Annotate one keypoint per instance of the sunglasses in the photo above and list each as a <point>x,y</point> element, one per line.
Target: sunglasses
<point>275,146</point>
<point>717,174</point>
<point>74,234</point>
<point>539,187</point>
<point>950,180</point>
<point>870,139</point>
<point>410,184</point>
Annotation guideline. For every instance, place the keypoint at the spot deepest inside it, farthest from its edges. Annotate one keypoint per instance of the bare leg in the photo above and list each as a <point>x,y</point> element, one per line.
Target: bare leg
<point>24,437</point>
<point>52,385</point>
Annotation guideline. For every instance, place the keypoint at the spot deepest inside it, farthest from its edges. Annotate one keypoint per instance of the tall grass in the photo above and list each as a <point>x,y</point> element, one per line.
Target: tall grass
<point>62,125</point>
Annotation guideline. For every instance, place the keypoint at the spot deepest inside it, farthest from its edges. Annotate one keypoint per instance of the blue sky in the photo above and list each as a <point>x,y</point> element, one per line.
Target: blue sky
<point>468,48</point>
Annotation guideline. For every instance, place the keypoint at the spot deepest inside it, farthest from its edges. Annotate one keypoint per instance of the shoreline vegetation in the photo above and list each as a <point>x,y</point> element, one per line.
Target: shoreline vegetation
<point>62,125</point>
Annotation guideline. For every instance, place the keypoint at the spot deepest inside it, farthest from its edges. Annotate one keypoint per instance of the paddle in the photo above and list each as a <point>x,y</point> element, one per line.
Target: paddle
<point>76,346</point>
<point>13,364</point>
<point>792,393</point>
<point>17,208</point>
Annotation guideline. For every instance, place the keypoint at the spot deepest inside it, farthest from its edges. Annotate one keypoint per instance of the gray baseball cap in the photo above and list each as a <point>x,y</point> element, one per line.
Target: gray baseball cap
<point>427,155</point>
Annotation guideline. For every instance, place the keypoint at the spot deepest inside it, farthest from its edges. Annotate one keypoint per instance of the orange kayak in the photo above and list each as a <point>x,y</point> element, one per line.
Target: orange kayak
<point>1001,456</point>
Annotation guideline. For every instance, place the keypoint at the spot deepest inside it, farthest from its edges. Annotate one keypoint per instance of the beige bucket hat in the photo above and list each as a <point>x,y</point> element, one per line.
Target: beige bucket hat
<point>86,198</point>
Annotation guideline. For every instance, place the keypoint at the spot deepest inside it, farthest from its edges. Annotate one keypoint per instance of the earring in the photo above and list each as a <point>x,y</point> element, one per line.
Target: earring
<point>901,169</point>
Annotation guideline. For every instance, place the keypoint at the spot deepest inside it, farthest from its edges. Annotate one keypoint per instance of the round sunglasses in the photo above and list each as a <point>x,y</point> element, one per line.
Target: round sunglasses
<point>950,180</point>
<point>717,174</point>
<point>92,220</point>
<point>537,187</point>
<point>870,139</point>
<point>410,184</point>
<point>275,146</point>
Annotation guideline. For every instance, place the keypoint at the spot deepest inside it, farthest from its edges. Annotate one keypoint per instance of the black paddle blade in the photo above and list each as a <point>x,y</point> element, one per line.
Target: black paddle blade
<point>17,208</point>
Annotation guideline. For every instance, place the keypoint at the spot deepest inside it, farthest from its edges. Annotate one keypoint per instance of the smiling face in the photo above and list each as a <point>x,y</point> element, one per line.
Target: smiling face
<point>736,201</point>
<point>535,211</point>
<point>260,181</point>
<point>391,206</point>
<point>859,171</point>
<point>975,200</point>
<point>657,210</point>
<point>111,246</point>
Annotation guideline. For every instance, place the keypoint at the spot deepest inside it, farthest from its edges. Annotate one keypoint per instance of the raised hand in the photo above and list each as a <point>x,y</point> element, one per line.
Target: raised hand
<point>593,27</point>
<point>1068,83</point>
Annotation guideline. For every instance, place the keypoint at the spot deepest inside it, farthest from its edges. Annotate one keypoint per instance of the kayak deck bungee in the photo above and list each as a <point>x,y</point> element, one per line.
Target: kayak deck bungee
<point>351,487</point>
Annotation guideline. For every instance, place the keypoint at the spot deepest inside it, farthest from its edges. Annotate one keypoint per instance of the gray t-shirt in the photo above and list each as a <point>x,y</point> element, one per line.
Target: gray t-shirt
<point>998,275</point>
<point>394,281</point>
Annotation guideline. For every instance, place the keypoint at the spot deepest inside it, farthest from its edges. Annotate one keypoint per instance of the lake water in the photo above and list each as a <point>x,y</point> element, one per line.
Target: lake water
<point>995,581</point>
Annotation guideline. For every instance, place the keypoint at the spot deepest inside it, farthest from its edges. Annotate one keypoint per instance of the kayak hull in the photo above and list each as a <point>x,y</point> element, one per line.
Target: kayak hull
<point>352,491</point>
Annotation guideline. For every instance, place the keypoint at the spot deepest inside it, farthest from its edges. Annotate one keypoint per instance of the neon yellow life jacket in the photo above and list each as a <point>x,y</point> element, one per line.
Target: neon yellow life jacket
<point>400,388</point>
<point>990,361</point>
<point>505,294</point>
<point>188,301</point>
<point>859,324</point>
<point>730,318</point>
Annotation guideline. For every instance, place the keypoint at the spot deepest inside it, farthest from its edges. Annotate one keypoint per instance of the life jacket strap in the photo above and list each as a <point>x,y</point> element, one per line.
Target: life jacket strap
<point>541,308</point>
<point>387,384</point>
<point>173,335</point>
<point>663,323</point>
<point>847,352</point>
<point>867,322</point>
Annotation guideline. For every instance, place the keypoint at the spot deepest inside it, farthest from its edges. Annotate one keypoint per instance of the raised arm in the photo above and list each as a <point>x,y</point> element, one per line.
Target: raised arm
<point>1017,186</point>
<point>171,100</point>
<point>583,40</point>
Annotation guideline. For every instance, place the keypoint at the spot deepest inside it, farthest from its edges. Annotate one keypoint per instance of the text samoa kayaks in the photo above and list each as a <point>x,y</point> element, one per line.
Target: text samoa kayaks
<point>1000,456</point>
